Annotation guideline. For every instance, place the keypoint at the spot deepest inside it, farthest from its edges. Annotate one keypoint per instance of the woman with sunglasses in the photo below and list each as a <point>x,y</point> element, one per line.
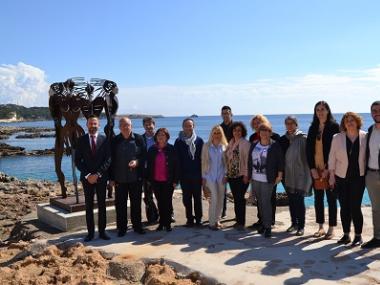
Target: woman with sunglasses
<point>265,168</point>
<point>318,144</point>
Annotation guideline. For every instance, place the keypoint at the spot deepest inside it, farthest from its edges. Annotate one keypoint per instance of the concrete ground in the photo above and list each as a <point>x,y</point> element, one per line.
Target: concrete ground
<point>245,257</point>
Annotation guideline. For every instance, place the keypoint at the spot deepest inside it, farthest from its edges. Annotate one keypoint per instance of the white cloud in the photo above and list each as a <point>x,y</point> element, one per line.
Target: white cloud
<point>345,90</point>
<point>23,84</point>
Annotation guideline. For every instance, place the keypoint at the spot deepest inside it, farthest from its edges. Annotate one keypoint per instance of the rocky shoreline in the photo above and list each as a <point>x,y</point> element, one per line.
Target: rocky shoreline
<point>7,131</point>
<point>25,133</point>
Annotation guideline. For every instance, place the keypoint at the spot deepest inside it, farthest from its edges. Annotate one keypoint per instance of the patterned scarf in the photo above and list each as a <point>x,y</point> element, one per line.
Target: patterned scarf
<point>190,141</point>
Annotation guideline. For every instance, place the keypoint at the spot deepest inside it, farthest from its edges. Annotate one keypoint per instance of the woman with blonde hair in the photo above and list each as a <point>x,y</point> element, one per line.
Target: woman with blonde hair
<point>214,173</point>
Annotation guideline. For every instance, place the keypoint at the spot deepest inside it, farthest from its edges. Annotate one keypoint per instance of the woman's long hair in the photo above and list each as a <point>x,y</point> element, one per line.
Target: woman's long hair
<point>223,141</point>
<point>330,117</point>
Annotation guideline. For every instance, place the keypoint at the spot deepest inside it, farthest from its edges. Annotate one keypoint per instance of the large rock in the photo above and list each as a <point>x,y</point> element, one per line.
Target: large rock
<point>131,270</point>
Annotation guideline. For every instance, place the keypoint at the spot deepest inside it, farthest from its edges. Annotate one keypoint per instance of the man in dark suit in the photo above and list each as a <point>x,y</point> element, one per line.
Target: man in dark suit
<point>93,158</point>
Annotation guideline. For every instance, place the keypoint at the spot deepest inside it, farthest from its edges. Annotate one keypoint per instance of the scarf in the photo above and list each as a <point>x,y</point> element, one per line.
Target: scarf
<point>190,142</point>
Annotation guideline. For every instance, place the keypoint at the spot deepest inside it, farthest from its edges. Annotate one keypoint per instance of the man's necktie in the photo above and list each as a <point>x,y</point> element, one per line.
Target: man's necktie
<point>93,145</point>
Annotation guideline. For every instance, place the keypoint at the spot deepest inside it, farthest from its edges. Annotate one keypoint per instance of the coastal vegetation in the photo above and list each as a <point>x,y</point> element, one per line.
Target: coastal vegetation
<point>13,112</point>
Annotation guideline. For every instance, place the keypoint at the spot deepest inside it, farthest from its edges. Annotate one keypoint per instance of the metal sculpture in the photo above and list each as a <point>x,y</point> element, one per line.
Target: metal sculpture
<point>69,100</point>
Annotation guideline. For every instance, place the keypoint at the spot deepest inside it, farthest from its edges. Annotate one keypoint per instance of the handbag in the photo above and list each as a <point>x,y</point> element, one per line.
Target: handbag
<point>321,183</point>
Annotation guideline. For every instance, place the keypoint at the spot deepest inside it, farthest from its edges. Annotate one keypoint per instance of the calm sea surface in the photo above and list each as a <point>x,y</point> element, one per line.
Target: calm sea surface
<point>43,167</point>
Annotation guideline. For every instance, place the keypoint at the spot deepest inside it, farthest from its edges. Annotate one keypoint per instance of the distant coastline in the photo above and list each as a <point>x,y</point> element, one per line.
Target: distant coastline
<point>10,113</point>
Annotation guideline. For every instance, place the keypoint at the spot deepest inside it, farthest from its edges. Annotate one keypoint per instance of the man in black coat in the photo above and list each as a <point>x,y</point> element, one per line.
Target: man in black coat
<point>93,158</point>
<point>150,207</point>
<point>226,125</point>
<point>127,172</point>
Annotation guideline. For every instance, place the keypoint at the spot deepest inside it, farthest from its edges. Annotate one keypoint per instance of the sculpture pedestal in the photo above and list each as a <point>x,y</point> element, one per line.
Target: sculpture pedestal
<point>70,203</point>
<point>66,215</point>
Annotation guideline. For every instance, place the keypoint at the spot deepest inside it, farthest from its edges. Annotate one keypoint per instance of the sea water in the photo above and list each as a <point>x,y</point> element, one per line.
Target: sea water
<point>42,167</point>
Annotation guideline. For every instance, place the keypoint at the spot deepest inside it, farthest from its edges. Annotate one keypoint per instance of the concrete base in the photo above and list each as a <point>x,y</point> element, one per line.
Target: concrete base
<point>66,221</point>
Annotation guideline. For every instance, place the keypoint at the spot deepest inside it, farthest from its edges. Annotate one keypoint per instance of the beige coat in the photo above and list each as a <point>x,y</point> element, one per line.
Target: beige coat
<point>338,159</point>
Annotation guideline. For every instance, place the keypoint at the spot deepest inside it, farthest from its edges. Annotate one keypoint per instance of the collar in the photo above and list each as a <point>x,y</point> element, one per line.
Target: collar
<point>95,135</point>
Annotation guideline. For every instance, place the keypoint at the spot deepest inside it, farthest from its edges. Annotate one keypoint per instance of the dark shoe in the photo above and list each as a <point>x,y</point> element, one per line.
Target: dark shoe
<point>300,232</point>
<point>257,226</point>
<point>345,239</point>
<point>268,233</point>
<point>104,236</point>
<point>357,241</point>
<point>172,219</point>
<point>189,224</point>
<point>198,224</point>
<point>160,228</point>
<point>121,233</point>
<point>140,231</point>
<point>88,238</point>
<point>373,243</point>
<point>291,229</point>
<point>240,228</point>
<point>261,230</point>
<point>169,228</point>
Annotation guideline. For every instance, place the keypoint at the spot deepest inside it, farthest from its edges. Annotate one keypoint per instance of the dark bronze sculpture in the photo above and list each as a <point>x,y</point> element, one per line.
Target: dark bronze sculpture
<point>69,100</point>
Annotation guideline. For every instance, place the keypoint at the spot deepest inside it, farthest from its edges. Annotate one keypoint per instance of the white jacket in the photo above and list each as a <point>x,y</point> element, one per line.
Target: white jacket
<point>338,159</point>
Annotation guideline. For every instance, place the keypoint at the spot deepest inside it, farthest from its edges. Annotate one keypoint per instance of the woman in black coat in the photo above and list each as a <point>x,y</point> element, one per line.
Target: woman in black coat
<point>318,145</point>
<point>162,168</point>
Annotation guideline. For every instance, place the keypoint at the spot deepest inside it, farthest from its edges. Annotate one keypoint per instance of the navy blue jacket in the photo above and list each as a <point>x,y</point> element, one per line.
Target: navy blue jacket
<point>189,168</point>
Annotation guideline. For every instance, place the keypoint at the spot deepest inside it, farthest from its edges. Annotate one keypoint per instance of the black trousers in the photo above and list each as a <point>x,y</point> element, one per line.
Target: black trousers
<point>238,189</point>
<point>350,194</point>
<point>297,209</point>
<point>163,192</point>
<point>192,190</point>
<point>274,206</point>
<point>122,191</point>
<point>89,193</point>
<point>150,206</point>
<point>320,207</point>
<point>224,202</point>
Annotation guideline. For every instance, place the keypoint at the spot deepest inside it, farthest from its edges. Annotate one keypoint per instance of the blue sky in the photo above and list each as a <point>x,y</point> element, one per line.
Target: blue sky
<point>194,56</point>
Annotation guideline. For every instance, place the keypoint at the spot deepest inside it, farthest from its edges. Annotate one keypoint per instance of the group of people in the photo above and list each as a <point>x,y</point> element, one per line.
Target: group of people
<point>338,161</point>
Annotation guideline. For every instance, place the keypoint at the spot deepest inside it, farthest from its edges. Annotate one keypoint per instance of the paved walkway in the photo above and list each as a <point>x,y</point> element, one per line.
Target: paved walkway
<point>234,257</point>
